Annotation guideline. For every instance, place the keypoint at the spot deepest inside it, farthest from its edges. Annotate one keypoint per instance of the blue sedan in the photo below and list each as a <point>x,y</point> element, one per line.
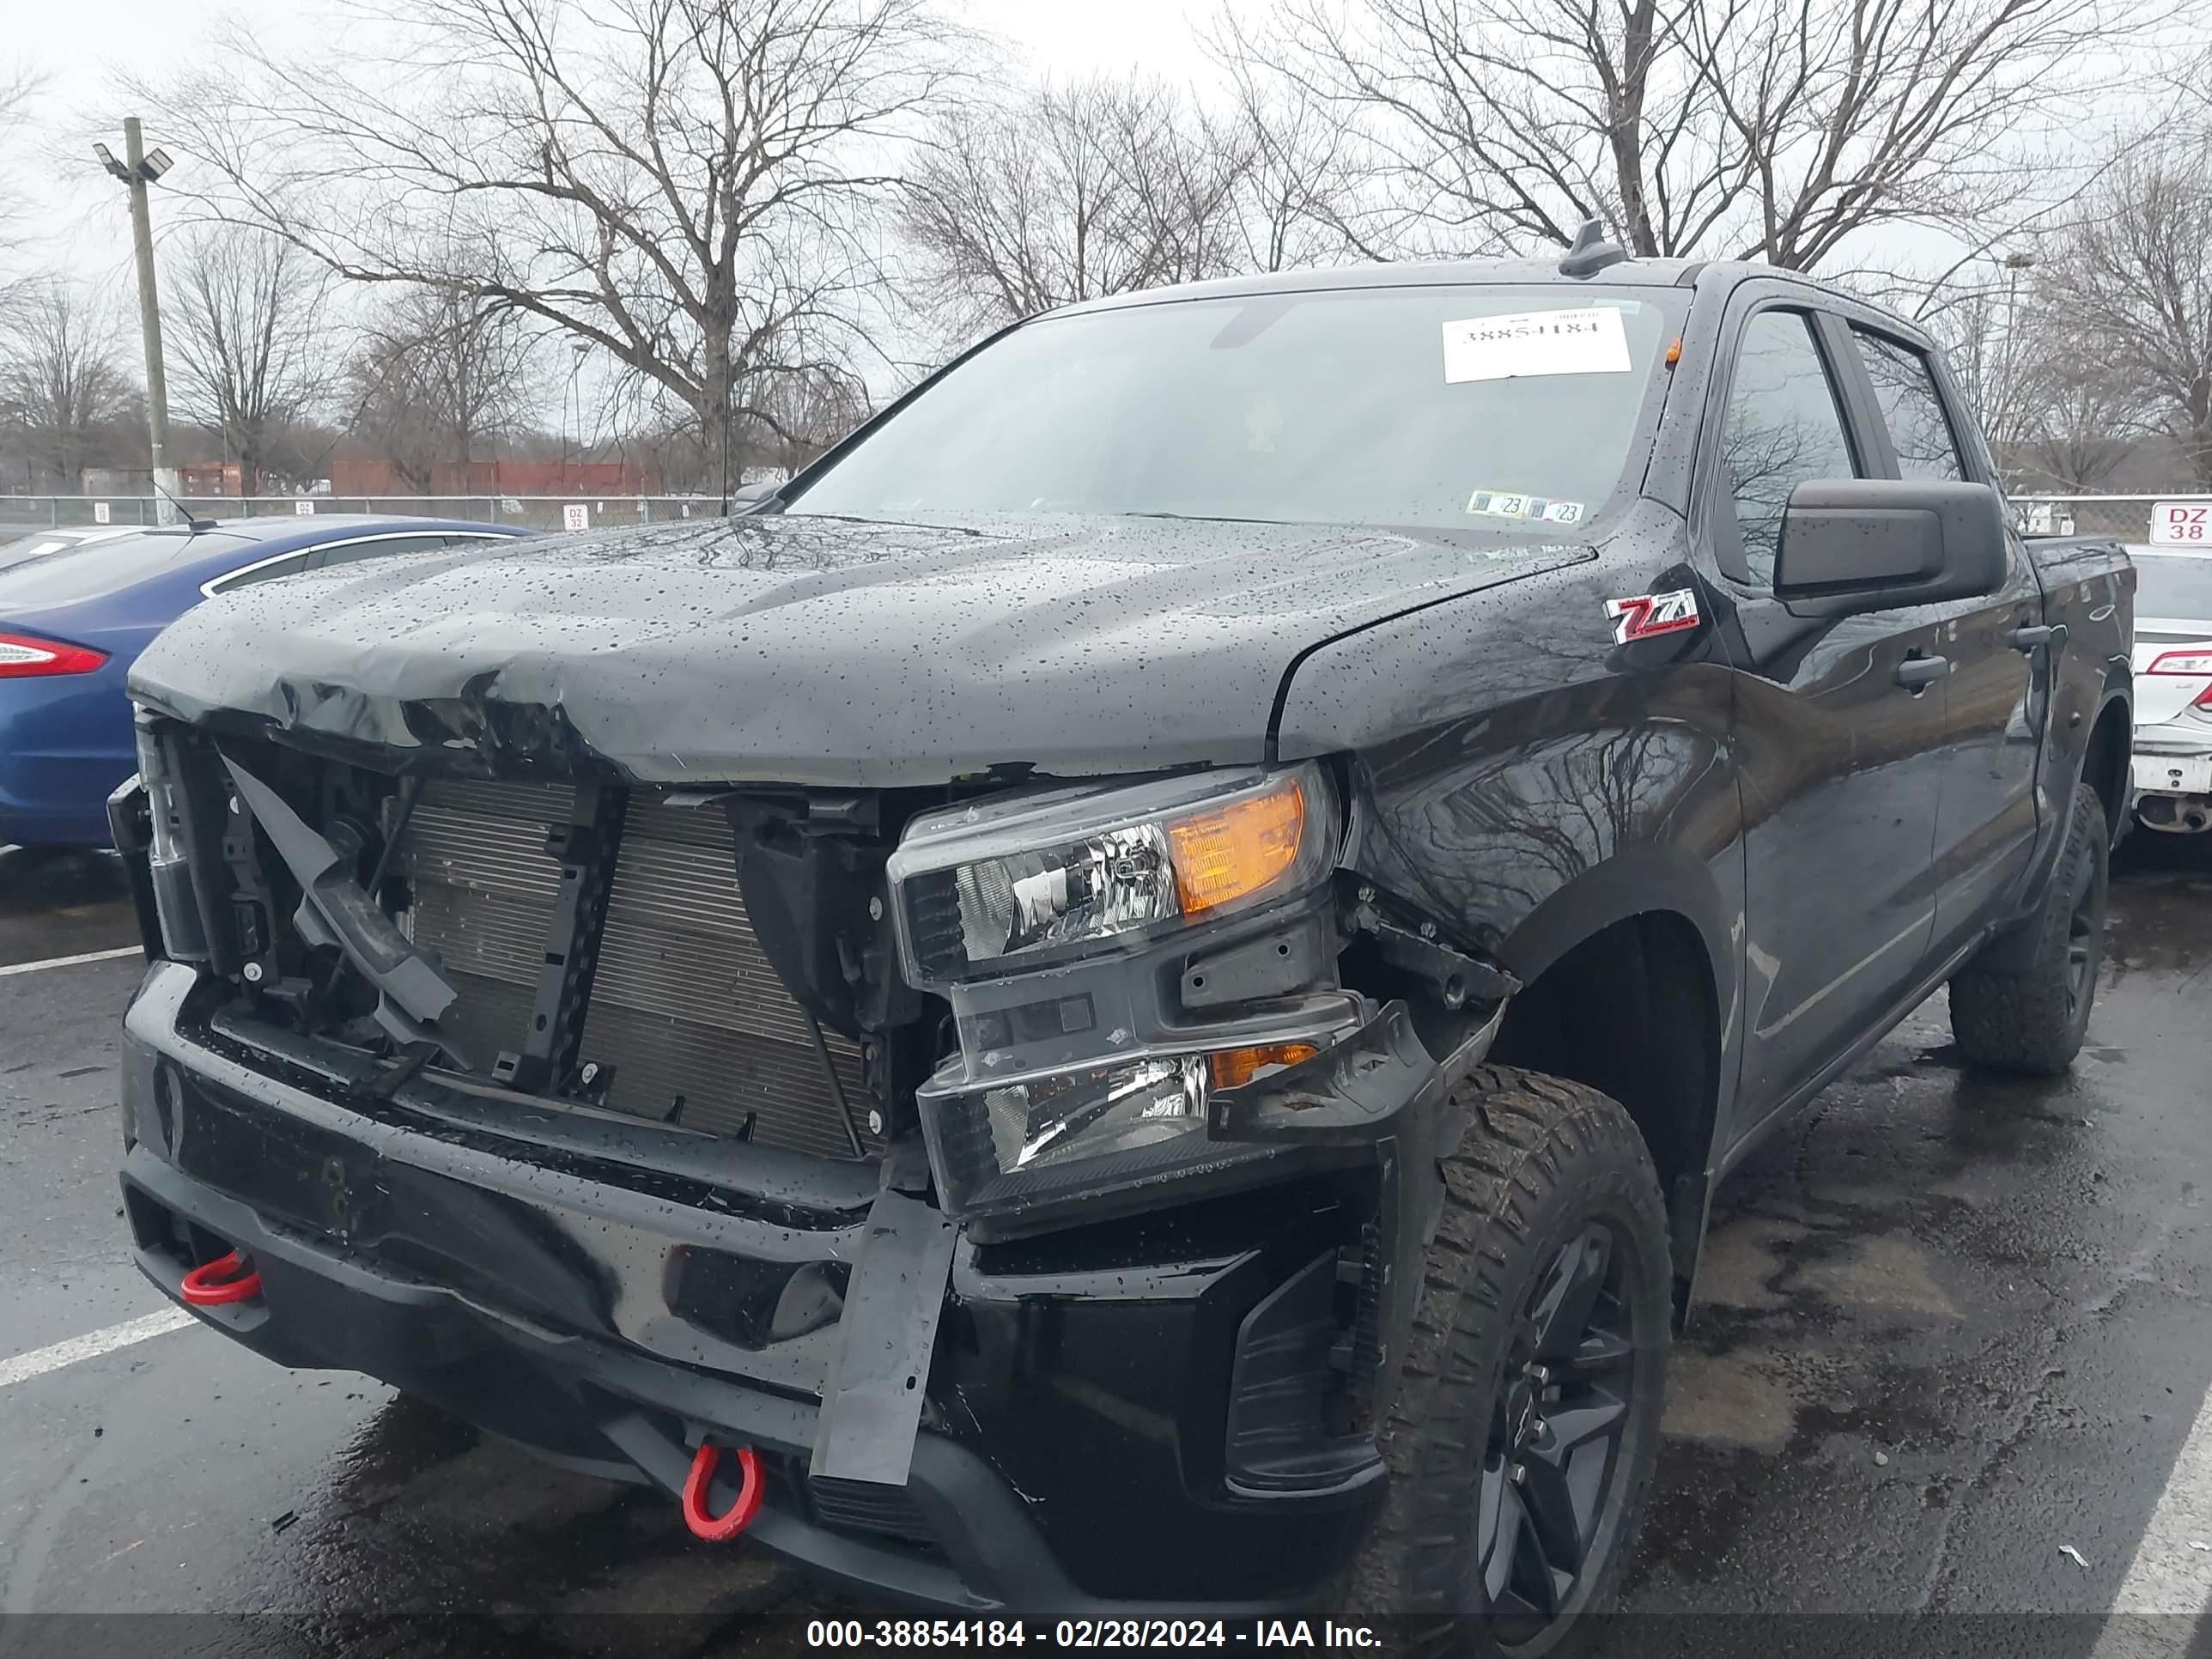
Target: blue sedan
<point>74,613</point>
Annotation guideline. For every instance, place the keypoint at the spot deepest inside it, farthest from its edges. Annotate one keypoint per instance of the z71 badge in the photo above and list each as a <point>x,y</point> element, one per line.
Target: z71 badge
<point>1647,614</point>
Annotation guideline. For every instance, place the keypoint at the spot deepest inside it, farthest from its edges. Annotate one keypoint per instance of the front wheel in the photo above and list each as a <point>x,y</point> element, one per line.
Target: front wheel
<point>2022,1005</point>
<point>1523,1435</point>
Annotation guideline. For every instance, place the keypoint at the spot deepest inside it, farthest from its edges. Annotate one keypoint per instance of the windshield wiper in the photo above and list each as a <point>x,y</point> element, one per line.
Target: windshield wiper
<point>898,523</point>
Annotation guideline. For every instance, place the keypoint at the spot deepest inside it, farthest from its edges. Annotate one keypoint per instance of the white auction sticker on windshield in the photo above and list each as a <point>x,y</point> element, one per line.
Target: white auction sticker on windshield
<point>1588,341</point>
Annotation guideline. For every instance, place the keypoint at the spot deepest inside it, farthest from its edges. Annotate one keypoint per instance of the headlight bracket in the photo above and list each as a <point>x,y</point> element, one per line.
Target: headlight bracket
<point>1412,944</point>
<point>1277,963</point>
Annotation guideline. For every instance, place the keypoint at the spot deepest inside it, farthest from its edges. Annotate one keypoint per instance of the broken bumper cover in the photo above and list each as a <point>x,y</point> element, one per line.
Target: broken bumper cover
<point>533,1273</point>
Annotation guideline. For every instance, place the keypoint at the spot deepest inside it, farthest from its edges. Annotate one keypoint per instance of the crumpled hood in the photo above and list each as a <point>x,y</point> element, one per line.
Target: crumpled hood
<point>817,651</point>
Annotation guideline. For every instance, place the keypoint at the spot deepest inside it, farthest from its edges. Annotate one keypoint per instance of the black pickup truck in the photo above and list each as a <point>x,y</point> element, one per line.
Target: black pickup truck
<point>1129,993</point>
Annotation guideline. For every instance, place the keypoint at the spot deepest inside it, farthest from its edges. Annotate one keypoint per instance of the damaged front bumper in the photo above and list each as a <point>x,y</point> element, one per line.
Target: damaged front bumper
<point>1152,1410</point>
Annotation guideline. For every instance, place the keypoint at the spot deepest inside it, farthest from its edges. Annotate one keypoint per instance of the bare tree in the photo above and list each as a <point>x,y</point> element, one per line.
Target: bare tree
<point>1762,129</point>
<point>1293,188</point>
<point>810,412</point>
<point>2086,418</point>
<point>248,351</point>
<point>436,377</point>
<point>389,417</point>
<point>685,183</point>
<point>60,384</point>
<point>1070,192</point>
<point>17,88</point>
<point>2137,275</point>
<point>1979,323</point>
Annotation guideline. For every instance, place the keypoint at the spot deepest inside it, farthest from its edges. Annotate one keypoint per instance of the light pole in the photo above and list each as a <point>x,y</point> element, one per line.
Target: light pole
<point>577,349</point>
<point>139,168</point>
<point>2013,262</point>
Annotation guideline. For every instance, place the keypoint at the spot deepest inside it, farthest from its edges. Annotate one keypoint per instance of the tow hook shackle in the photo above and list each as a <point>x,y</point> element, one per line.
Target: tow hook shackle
<point>226,1278</point>
<point>720,1528</point>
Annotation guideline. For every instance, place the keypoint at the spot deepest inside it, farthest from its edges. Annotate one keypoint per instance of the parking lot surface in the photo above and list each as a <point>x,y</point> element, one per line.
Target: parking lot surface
<point>1952,1340</point>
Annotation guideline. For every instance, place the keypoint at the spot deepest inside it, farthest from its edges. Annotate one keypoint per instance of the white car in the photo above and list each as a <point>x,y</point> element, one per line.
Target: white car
<point>2173,688</point>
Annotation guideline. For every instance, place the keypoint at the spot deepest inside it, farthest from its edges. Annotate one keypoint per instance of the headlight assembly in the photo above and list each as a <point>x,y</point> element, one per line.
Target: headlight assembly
<point>996,887</point>
<point>184,937</point>
<point>1059,925</point>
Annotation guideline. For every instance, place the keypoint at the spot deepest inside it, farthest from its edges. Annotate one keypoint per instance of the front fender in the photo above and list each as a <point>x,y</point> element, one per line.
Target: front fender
<point>1529,782</point>
<point>1523,776</point>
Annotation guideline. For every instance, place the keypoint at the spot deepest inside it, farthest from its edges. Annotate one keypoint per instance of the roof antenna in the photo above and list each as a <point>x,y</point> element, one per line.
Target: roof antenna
<point>1591,252</point>
<point>192,526</point>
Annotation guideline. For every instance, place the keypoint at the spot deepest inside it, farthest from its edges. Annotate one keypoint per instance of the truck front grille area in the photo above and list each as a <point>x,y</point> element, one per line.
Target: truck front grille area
<point>687,1020</point>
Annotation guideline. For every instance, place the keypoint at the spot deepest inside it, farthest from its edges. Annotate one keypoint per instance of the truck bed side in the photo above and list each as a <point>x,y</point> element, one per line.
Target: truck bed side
<point>2088,589</point>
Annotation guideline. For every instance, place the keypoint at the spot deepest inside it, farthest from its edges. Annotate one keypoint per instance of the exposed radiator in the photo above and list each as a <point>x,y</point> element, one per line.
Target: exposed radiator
<point>685,1007</point>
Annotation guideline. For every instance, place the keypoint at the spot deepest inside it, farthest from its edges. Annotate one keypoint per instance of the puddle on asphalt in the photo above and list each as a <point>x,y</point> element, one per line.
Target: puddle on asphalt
<point>58,902</point>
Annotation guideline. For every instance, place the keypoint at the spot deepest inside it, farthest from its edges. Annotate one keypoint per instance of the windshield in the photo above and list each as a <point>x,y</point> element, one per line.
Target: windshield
<point>2170,586</point>
<point>1472,407</point>
<point>64,574</point>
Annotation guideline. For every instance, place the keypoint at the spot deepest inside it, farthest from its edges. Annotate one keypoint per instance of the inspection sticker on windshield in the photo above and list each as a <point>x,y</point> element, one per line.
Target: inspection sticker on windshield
<point>1586,341</point>
<point>1511,504</point>
<point>1645,614</point>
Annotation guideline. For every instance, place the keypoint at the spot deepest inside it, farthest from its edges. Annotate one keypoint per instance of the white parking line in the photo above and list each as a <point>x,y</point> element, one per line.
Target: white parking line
<point>68,962</point>
<point>2172,1571</point>
<point>40,1361</point>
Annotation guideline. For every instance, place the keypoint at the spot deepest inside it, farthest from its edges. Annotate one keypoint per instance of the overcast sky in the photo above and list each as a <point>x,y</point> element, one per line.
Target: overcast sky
<point>80,221</point>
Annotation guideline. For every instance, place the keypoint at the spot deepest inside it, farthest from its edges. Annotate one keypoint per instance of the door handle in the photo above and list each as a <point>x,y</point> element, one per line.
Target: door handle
<point>2032,638</point>
<point>1918,673</point>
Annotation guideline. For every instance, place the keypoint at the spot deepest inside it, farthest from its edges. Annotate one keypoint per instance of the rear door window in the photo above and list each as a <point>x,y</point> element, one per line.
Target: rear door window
<point>1913,408</point>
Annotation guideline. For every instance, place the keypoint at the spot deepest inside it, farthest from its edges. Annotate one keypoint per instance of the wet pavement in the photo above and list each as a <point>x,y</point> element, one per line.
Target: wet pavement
<point>60,902</point>
<point>1946,1325</point>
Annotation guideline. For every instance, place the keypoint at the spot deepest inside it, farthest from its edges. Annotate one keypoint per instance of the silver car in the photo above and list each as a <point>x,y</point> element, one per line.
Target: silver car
<point>2173,688</point>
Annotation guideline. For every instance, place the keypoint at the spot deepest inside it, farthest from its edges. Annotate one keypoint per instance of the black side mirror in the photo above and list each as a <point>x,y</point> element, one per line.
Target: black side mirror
<point>1855,544</point>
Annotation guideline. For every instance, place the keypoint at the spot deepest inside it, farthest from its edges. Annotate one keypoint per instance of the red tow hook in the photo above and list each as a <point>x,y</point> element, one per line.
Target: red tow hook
<point>720,1528</point>
<point>226,1278</point>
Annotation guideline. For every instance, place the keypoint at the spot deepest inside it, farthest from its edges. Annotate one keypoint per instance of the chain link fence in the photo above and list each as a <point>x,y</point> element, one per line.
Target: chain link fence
<point>27,512</point>
<point>2127,517</point>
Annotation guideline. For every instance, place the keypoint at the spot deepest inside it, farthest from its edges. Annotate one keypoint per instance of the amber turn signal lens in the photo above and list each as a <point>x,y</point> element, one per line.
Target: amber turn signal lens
<point>1222,854</point>
<point>1232,1068</point>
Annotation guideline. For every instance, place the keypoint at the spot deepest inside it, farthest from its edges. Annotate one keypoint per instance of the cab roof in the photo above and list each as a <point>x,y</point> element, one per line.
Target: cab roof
<point>1514,273</point>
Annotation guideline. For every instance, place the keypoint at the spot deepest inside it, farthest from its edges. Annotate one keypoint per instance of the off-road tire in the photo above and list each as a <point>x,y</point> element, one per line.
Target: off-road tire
<point>1544,1162</point>
<point>2021,1004</point>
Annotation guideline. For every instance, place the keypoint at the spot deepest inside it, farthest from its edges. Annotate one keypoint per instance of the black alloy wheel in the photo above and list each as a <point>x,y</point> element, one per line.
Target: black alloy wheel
<point>1555,1435</point>
<point>1521,1438</point>
<point>2085,933</point>
<point>2022,1002</point>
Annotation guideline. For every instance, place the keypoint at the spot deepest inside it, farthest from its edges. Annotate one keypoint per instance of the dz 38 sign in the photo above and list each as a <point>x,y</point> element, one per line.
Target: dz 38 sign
<point>2181,524</point>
